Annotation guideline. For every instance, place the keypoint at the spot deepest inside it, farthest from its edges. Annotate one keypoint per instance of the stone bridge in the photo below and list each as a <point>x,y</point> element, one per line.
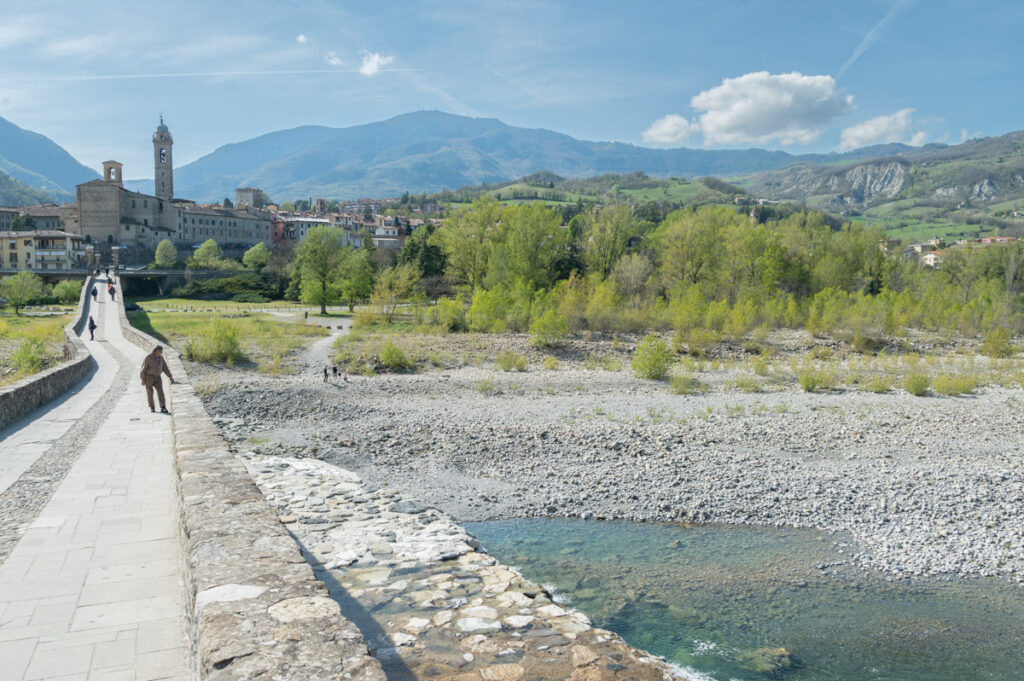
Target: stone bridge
<point>138,545</point>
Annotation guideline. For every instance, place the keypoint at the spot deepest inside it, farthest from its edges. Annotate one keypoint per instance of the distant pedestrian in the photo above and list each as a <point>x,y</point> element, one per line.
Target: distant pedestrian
<point>305,315</point>
<point>106,272</point>
<point>325,373</point>
<point>92,326</point>
<point>152,366</point>
<point>334,372</point>
<point>113,291</point>
<point>95,294</point>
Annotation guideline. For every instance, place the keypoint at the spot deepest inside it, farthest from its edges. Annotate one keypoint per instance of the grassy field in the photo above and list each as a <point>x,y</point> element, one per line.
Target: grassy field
<point>267,341</point>
<point>155,303</point>
<point>29,344</point>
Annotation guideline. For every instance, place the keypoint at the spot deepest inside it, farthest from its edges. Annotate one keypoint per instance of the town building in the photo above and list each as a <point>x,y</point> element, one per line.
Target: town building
<point>44,249</point>
<point>108,214</point>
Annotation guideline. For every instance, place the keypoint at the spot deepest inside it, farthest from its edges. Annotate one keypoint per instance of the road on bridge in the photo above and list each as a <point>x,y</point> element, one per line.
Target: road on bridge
<point>91,570</point>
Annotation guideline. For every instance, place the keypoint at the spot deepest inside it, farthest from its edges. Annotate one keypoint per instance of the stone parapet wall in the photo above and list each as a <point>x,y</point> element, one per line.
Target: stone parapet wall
<point>21,398</point>
<point>257,609</point>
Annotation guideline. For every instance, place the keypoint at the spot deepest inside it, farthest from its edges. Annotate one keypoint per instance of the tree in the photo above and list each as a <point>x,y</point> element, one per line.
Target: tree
<point>228,203</point>
<point>207,257</point>
<point>23,223</point>
<point>394,285</point>
<point>465,239</point>
<point>166,254</point>
<point>257,257</point>
<point>535,244</point>
<point>424,252</point>
<point>287,207</point>
<point>318,258</point>
<point>606,234</point>
<point>355,277</point>
<point>68,291</point>
<point>21,289</point>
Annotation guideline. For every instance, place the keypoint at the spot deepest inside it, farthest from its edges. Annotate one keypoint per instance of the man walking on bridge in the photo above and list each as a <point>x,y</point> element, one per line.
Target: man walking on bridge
<point>152,366</point>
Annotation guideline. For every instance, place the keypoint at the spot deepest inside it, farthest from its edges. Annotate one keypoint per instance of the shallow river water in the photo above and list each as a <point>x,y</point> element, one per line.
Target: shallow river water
<point>723,601</point>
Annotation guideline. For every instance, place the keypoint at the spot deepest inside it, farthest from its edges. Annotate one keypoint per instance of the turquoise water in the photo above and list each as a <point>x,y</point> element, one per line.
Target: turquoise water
<point>707,597</point>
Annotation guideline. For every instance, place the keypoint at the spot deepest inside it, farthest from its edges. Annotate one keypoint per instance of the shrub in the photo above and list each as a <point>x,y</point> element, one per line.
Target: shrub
<point>814,379</point>
<point>955,385</point>
<point>652,358</point>
<point>507,360</point>
<point>450,314</point>
<point>917,384</point>
<point>550,363</point>
<point>249,297</point>
<point>28,358</point>
<point>393,358</point>
<point>866,343</point>
<point>699,342</point>
<point>685,384</point>
<point>549,330</point>
<point>68,291</point>
<point>485,386</point>
<point>215,342</point>
<point>997,343</point>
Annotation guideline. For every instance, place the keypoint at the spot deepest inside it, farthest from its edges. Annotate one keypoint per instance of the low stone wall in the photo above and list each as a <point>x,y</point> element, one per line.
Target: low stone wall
<point>20,398</point>
<point>258,611</point>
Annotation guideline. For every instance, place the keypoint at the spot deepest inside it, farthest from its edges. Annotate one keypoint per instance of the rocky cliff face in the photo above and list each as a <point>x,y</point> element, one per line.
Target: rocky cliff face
<point>857,186</point>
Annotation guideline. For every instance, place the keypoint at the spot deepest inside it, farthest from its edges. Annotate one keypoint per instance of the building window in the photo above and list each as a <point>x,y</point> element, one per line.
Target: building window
<point>145,203</point>
<point>133,203</point>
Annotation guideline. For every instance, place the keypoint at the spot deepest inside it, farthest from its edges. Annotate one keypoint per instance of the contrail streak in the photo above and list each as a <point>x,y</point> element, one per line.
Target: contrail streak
<point>202,74</point>
<point>898,9</point>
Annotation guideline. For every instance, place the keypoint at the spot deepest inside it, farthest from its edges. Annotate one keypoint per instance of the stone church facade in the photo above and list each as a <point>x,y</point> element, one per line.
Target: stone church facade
<point>109,214</point>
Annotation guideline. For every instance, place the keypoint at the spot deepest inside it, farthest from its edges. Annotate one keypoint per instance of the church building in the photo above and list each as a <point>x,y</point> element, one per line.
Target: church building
<point>109,214</point>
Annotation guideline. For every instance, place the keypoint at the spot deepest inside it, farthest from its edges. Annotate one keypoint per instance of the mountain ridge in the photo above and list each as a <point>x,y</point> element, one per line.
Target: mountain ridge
<point>37,161</point>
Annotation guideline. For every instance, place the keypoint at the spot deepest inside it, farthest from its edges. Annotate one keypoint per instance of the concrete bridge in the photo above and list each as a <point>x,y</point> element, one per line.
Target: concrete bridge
<point>164,280</point>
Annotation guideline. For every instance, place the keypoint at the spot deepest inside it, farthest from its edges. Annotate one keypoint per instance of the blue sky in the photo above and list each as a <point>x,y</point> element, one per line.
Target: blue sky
<point>799,75</point>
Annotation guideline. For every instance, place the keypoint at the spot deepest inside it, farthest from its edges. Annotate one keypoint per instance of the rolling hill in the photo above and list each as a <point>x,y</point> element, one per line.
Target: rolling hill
<point>430,151</point>
<point>37,161</point>
<point>937,190</point>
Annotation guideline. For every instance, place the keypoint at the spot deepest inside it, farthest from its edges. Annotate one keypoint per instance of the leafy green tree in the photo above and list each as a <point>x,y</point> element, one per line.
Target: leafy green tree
<point>605,235</point>
<point>465,239</point>
<point>287,207</point>
<point>207,257</point>
<point>257,257</point>
<point>23,223</point>
<point>68,291</point>
<point>424,252</point>
<point>228,203</point>
<point>166,254</point>
<point>318,258</point>
<point>394,286</point>
<point>355,277</point>
<point>21,289</point>
<point>535,243</point>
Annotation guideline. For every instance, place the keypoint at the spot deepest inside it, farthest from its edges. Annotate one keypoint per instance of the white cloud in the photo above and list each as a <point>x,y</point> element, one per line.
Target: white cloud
<point>79,47</point>
<point>373,62</point>
<point>333,59</point>
<point>301,39</point>
<point>670,130</point>
<point>761,108</point>
<point>894,127</point>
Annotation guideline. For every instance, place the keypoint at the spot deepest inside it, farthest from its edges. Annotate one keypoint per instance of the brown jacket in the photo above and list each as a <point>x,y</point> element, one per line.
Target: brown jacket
<point>152,366</point>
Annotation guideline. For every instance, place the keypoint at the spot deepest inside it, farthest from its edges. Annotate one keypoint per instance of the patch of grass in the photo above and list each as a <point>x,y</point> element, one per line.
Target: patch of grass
<point>610,363</point>
<point>815,379</point>
<point>506,360</point>
<point>945,384</point>
<point>29,356</point>
<point>550,363</point>
<point>820,352</point>
<point>29,344</point>
<point>748,384</point>
<point>685,384</point>
<point>917,383</point>
<point>486,386</point>
<point>216,342</point>
<point>877,384</point>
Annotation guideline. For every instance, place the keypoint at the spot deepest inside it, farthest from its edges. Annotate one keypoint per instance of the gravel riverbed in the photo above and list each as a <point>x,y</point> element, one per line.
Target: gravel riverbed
<point>924,485</point>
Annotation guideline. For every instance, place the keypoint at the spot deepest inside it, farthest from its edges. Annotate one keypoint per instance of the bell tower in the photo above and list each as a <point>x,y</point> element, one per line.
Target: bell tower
<point>163,174</point>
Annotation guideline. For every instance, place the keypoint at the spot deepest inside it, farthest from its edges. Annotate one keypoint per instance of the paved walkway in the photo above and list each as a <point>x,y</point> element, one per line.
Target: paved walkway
<point>94,588</point>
